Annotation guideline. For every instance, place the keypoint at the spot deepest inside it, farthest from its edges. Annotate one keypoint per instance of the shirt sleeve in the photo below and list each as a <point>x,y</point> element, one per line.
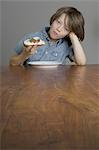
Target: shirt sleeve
<point>19,46</point>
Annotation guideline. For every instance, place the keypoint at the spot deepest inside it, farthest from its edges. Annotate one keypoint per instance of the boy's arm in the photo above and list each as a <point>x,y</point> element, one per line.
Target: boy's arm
<point>79,55</point>
<point>25,54</point>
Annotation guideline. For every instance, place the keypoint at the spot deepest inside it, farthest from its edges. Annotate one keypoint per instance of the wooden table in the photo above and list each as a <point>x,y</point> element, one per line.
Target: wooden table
<point>50,109</point>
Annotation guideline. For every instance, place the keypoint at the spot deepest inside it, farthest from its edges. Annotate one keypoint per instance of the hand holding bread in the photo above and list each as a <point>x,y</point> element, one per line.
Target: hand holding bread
<point>30,45</point>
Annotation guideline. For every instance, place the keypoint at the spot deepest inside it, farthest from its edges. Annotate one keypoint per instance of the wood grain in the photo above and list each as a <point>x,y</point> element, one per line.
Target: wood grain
<point>50,109</point>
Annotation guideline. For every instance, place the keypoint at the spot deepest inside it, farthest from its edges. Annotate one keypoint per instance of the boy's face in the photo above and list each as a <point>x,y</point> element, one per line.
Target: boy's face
<point>59,28</point>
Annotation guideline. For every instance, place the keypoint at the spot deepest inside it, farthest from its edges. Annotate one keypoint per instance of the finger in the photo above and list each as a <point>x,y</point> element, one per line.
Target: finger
<point>27,49</point>
<point>33,48</point>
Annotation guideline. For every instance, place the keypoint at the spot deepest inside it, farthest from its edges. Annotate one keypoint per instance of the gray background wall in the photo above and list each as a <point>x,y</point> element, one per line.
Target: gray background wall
<point>0,32</point>
<point>18,18</point>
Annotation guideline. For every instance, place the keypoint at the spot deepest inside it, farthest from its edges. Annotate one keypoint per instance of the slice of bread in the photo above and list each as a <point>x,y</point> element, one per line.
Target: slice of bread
<point>34,41</point>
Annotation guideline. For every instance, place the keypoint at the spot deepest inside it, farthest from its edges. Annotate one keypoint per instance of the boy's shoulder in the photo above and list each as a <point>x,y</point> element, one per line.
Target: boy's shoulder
<point>32,34</point>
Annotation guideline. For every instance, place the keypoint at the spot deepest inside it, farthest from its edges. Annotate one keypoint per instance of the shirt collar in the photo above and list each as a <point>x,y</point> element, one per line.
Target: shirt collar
<point>45,34</point>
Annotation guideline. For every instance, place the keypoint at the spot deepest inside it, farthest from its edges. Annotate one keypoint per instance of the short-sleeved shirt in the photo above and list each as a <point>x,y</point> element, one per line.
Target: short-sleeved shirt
<point>58,51</point>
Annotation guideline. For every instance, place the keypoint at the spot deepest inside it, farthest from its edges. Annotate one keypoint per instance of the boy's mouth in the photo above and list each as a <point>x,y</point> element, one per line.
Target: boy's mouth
<point>55,33</point>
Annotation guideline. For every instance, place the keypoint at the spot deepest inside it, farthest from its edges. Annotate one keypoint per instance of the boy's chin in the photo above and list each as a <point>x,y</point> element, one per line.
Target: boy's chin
<point>53,38</point>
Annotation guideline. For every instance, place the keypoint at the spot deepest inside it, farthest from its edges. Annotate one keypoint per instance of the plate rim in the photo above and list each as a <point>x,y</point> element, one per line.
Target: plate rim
<point>44,63</point>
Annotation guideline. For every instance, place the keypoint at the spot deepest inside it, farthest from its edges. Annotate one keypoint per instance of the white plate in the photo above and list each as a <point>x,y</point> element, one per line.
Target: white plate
<point>45,64</point>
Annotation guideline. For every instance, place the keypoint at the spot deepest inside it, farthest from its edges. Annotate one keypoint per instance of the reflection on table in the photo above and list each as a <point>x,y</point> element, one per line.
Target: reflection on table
<point>50,109</point>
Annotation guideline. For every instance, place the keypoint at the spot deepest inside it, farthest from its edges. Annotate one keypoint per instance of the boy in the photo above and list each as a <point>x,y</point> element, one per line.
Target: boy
<point>62,40</point>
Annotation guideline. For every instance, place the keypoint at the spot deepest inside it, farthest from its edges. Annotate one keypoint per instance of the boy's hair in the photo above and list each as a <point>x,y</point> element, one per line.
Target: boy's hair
<point>75,20</point>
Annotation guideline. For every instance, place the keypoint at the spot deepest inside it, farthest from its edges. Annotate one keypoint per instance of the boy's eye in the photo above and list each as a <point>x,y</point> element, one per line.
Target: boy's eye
<point>67,29</point>
<point>58,21</point>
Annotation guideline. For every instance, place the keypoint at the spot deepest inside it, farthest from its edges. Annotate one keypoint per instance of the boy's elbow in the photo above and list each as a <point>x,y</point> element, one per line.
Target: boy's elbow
<point>13,62</point>
<point>82,63</point>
